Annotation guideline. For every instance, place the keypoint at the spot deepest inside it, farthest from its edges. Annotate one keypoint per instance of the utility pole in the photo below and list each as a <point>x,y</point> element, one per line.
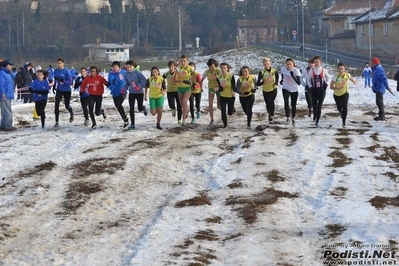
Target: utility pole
<point>303,29</point>
<point>23,27</point>
<point>180,24</point>
<point>138,38</point>
<point>369,31</point>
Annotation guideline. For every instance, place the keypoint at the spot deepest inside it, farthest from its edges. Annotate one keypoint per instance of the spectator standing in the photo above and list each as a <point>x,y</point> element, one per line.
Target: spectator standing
<point>26,80</point>
<point>7,95</point>
<point>367,71</point>
<point>379,87</point>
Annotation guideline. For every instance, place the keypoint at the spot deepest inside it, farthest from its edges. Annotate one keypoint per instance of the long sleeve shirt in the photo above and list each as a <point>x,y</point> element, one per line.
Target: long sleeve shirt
<point>134,82</point>
<point>66,80</point>
<point>93,85</point>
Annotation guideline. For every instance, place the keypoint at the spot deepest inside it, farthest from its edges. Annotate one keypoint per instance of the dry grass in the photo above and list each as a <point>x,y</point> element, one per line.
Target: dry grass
<point>200,200</point>
<point>381,202</point>
<point>248,207</point>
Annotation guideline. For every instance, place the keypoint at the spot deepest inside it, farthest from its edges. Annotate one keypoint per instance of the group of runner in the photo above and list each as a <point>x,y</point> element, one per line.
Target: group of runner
<point>182,84</point>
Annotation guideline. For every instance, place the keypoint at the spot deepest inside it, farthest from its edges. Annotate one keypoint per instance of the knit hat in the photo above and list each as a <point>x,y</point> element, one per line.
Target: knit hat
<point>376,61</point>
<point>7,62</point>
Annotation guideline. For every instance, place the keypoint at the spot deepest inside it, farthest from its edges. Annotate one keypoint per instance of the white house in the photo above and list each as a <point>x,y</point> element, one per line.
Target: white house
<point>108,51</point>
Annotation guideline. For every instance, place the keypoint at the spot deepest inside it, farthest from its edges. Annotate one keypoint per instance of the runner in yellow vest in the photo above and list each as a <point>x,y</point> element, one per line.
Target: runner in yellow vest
<point>341,93</point>
<point>183,77</point>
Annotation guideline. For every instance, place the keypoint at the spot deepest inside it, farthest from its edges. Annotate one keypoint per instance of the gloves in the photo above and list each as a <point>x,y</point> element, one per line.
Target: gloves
<point>221,88</point>
<point>30,90</point>
<point>292,74</point>
<point>107,84</point>
<point>253,90</point>
<point>187,82</point>
<point>281,82</point>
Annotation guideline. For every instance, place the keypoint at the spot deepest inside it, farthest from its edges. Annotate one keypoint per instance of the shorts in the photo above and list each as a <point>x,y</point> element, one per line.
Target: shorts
<point>156,103</point>
<point>181,90</point>
<point>210,91</point>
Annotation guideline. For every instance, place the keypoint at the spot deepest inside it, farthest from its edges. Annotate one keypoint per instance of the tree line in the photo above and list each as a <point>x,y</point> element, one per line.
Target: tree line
<point>45,29</point>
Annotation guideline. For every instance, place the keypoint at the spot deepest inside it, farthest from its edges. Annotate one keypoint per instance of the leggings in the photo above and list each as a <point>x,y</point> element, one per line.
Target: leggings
<point>229,102</point>
<point>197,97</point>
<point>247,103</point>
<point>118,101</point>
<point>97,101</point>
<point>67,99</point>
<point>132,98</point>
<point>40,106</point>
<point>269,98</point>
<point>342,105</point>
<point>172,98</point>
<point>308,97</point>
<point>317,100</point>
<point>84,102</point>
<point>294,99</point>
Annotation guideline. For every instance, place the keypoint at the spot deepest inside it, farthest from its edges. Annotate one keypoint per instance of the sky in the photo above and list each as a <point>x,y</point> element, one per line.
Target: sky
<point>195,195</point>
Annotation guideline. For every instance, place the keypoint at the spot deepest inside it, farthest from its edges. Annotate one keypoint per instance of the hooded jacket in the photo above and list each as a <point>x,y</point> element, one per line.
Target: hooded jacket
<point>379,81</point>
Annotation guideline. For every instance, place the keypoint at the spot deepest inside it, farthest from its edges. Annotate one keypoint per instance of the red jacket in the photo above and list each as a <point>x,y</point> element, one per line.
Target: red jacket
<point>93,85</point>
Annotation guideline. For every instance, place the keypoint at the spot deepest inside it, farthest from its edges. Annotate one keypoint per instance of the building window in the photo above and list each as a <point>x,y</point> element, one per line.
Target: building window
<point>107,50</point>
<point>360,31</point>
<point>242,31</point>
<point>385,29</point>
<point>269,32</point>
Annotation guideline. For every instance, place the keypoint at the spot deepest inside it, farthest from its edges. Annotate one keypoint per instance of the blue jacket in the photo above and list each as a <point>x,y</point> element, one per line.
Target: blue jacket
<point>73,73</point>
<point>117,82</point>
<point>380,81</point>
<point>6,84</point>
<point>66,76</point>
<point>135,82</point>
<point>40,88</point>
<point>51,73</point>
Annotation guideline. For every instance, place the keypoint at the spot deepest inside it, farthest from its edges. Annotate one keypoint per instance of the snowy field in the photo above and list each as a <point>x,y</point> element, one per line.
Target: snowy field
<point>269,195</point>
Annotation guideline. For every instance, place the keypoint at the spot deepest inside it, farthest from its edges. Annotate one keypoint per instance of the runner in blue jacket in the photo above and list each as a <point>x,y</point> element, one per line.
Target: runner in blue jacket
<point>40,88</point>
<point>134,82</point>
<point>63,79</point>
<point>116,79</point>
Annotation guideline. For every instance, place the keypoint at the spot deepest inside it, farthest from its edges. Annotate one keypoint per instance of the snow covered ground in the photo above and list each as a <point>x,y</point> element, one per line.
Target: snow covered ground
<point>203,196</point>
